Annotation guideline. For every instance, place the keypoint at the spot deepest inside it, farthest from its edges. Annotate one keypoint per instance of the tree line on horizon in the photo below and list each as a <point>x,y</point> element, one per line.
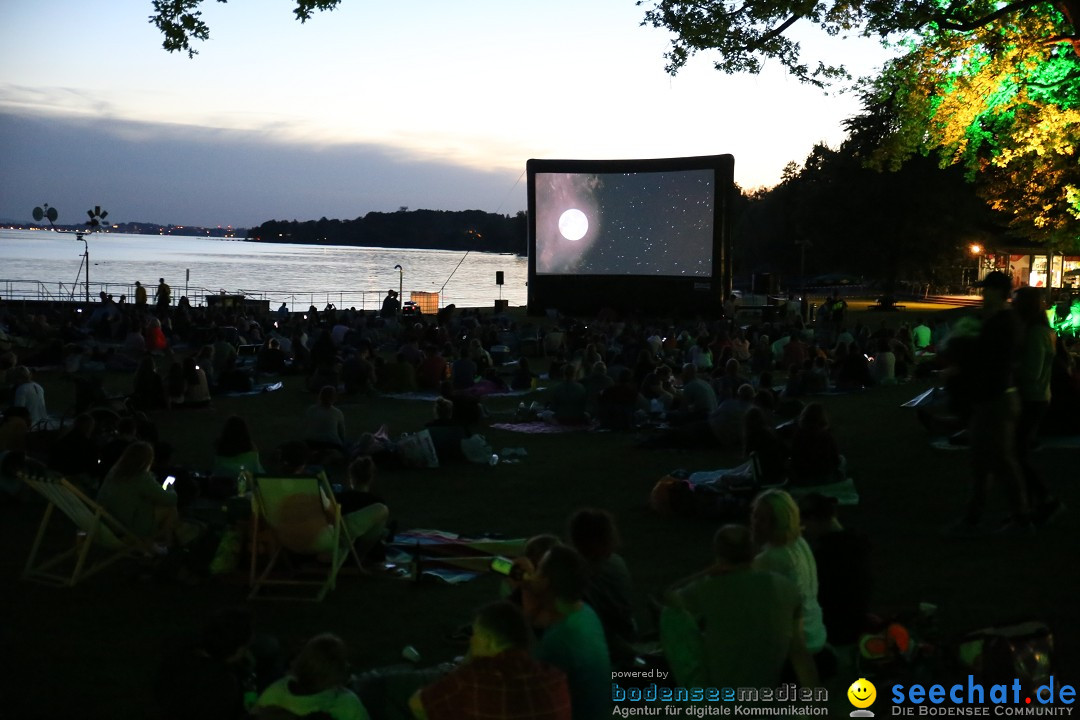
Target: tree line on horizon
<point>422,229</point>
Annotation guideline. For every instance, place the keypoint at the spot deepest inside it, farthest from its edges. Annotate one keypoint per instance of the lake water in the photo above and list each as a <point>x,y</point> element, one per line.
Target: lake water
<point>300,275</point>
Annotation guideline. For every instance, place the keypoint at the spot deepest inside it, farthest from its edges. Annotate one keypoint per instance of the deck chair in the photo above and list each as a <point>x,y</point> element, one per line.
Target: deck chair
<point>95,528</point>
<point>301,517</point>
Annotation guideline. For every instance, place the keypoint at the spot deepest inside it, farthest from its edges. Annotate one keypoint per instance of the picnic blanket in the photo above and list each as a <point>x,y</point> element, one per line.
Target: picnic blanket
<point>448,556</point>
<point>924,398</point>
<point>844,491</point>
<point>257,390</point>
<point>539,427</point>
<point>1056,442</point>
<point>432,395</point>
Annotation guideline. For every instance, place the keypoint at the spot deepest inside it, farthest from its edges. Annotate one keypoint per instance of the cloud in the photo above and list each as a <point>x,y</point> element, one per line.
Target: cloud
<point>197,175</point>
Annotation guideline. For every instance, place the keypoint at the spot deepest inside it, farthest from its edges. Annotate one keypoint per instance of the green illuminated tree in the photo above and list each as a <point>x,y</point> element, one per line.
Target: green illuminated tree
<point>1003,101</point>
<point>181,20</point>
<point>990,85</point>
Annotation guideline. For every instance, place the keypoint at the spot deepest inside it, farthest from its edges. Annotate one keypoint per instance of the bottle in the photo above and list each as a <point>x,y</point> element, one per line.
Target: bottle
<point>241,481</point>
<point>415,570</point>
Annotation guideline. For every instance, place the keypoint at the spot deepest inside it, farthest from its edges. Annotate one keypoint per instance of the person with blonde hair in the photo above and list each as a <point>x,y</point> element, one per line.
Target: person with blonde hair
<point>777,532</point>
<point>315,684</point>
<point>132,495</point>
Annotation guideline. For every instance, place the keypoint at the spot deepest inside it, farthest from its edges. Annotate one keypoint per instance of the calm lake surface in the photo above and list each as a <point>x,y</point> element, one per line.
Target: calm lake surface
<point>300,275</point>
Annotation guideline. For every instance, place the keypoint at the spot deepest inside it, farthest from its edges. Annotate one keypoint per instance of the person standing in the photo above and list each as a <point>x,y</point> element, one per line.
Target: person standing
<point>163,296</point>
<point>995,410</point>
<point>140,296</point>
<point>1038,348</point>
<point>391,305</point>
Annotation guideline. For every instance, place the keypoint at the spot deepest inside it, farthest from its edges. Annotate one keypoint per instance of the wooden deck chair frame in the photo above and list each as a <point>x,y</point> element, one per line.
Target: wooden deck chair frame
<point>100,528</point>
<point>342,540</point>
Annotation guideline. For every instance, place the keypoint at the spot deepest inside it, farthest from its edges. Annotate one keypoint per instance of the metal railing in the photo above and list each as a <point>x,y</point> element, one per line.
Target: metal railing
<point>296,300</point>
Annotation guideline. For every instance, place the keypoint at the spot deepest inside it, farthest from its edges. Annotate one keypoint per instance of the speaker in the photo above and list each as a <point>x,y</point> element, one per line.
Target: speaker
<point>498,277</point>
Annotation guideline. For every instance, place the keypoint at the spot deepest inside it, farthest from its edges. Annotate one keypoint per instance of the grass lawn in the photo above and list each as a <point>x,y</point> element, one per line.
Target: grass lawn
<point>93,650</point>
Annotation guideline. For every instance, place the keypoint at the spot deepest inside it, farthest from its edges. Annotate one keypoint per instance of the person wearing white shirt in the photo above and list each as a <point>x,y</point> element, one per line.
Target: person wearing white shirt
<point>30,395</point>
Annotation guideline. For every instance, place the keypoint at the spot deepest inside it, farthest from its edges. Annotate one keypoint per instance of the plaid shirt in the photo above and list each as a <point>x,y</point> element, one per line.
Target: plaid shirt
<point>508,686</point>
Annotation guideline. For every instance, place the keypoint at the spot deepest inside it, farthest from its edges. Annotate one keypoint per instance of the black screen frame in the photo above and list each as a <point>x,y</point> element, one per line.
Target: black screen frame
<point>586,294</point>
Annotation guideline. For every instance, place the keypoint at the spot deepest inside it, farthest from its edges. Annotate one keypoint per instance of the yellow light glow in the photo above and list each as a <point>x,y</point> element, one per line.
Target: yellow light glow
<point>975,248</point>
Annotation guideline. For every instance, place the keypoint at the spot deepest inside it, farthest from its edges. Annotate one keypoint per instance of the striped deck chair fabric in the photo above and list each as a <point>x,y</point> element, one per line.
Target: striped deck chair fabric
<point>302,518</point>
<point>96,529</point>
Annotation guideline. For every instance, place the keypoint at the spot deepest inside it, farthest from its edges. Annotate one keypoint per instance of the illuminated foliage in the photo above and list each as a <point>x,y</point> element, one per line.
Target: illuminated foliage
<point>1003,101</point>
<point>745,33</point>
<point>181,20</point>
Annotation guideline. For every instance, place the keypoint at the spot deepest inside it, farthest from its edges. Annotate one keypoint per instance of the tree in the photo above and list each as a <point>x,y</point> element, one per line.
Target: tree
<point>991,85</point>
<point>181,21</point>
<point>747,32</point>
<point>907,225</point>
<point>1003,102</point>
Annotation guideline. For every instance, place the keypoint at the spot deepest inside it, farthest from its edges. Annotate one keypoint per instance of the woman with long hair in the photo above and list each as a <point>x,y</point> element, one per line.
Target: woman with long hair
<point>196,387</point>
<point>132,495</point>
<point>777,531</point>
<point>234,449</point>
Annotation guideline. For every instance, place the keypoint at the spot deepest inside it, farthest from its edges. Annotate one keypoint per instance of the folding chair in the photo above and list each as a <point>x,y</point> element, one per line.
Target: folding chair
<point>301,517</point>
<point>95,527</point>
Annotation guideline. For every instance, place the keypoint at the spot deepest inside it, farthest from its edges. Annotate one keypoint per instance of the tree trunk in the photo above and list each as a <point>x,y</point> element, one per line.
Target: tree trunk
<point>1071,10</point>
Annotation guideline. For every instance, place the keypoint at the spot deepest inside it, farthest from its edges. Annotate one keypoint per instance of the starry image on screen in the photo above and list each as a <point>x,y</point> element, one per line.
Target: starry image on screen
<point>634,223</point>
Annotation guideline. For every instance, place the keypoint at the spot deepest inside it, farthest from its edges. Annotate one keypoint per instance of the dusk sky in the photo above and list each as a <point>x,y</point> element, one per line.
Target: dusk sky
<point>369,107</point>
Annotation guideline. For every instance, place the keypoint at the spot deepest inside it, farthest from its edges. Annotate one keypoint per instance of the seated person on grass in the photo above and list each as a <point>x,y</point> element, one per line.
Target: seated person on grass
<point>324,423</point>
<point>843,567</point>
<point>815,456</point>
<point>593,534</point>
<point>777,531</point>
<point>398,376</point>
<point>523,377</point>
<point>697,400</point>
<point>732,625</point>
<point>207,679</point>
<point>363,514</point>
<point>368,528</point>
<point>234,450</point>
<point>446,432</point>
<point>134,496</point>
<point>568,399</point>
<point>574,641</point>
<point>499,678</point>
<point>726,422</point>
<point>315,685</point>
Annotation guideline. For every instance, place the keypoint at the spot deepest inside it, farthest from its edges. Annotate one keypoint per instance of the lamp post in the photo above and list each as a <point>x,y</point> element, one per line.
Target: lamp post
<point>804,305</point>
<point>94,223</point>
<point>976,250</point>
<point>400,286</point>
<point>80,235</point>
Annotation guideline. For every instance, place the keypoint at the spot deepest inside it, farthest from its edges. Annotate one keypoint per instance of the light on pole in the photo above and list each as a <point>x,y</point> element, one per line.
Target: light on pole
<point>400,286</point>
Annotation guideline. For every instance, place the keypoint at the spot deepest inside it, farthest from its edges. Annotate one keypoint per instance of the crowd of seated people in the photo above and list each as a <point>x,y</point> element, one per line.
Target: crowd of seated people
<point>770,589</point>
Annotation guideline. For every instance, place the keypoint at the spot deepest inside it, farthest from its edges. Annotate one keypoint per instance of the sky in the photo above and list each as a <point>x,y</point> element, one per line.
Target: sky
<point>371,106</point>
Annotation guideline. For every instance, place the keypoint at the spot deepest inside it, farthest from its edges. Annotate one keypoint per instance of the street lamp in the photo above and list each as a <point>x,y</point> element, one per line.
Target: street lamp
<point>400,286</point>
<point>804,306</point>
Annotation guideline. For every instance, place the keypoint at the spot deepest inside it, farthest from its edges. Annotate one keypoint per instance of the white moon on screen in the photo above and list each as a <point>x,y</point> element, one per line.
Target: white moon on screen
<point>573,224</point>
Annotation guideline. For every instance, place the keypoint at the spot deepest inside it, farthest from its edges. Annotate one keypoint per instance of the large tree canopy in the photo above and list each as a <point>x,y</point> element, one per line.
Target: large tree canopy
<point>181,20</point>
<point>1003,101</point>
<point>991,86</point>
<point>747,32</point>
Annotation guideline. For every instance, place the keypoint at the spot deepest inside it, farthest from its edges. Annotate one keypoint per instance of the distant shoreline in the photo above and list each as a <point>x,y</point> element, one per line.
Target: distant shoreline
<point>208,233</point>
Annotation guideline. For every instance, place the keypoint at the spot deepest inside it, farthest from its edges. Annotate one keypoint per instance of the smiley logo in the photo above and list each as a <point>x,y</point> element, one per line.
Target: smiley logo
<point>862,694</point>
